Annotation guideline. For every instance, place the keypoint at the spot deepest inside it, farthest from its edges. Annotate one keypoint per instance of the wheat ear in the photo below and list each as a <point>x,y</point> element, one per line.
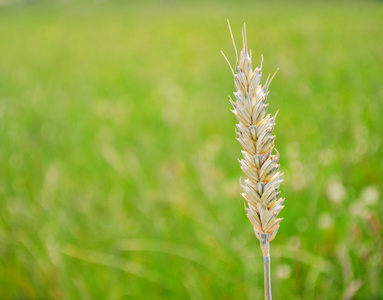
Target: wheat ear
<point>254,133</point>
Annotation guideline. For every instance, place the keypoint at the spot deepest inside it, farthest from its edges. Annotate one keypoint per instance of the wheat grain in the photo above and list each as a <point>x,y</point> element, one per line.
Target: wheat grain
<point>254,133</point>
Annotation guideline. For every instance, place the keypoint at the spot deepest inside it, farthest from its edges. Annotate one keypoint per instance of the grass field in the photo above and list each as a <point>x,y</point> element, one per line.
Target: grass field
<point>118,163</point>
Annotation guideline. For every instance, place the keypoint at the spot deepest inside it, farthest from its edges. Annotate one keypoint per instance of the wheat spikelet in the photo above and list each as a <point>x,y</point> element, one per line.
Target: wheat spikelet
<point>254,133</point>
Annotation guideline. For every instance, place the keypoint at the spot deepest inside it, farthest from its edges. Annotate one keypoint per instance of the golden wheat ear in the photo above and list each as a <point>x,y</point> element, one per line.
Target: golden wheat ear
<point>255,134</point>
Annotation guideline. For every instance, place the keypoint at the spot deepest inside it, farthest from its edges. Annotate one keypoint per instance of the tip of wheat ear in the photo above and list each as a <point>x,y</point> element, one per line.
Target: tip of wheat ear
<point>254,133</point>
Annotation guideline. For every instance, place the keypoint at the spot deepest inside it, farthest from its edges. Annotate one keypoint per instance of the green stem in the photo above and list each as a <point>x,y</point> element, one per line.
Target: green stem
<point>266,266</point>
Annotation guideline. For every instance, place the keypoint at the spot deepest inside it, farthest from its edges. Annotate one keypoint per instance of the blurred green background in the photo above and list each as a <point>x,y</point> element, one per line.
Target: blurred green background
<point>118,163</point>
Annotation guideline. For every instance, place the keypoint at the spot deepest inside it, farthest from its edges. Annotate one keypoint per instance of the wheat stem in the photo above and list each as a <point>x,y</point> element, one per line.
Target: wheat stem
<point>266,269</point>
